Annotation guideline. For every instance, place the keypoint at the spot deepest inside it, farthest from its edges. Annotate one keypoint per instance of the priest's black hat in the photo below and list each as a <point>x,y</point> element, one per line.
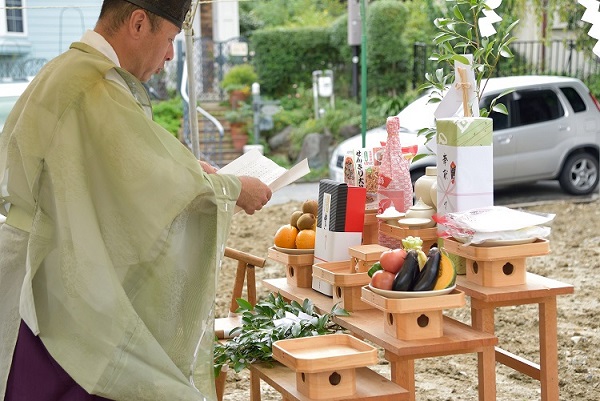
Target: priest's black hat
<point>171,10</point>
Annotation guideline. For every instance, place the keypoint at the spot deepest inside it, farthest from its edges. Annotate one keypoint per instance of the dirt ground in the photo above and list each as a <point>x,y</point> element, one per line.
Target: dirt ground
<point>574,259</point>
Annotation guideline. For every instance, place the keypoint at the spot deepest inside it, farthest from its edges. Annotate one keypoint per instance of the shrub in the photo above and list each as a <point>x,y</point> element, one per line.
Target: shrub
<point>239,77</point>
<point>168,113</point>
<point>288,56</point>
<point>388,57</point>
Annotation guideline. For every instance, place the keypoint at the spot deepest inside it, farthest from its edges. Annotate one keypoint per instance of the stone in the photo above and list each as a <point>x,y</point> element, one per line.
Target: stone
<point>315,148</point>
<point>281,139</point>
<point>348,131</point>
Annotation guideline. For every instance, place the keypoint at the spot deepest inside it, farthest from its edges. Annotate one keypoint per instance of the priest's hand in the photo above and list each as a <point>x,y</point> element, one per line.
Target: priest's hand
<point>255,194</point>
<point>208,168</point>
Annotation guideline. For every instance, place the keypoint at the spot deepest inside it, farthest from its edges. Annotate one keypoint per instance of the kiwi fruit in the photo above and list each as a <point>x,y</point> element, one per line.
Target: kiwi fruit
<point>310,206</point>
<point>295,216</point>
<point>306,221</point>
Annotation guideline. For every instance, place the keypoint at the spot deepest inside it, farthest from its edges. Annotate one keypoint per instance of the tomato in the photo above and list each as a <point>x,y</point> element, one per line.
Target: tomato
<point>383,280</point>
<point>392,260</point>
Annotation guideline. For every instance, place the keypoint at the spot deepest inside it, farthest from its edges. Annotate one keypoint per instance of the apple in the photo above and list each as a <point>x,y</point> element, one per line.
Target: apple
<point>392,260</point>
<point>383,280</point>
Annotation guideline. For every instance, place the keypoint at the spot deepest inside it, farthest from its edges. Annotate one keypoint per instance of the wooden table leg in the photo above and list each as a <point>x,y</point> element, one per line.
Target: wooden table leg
<point>220,383</point>
<point>402,372</point>
<point>482,318</point>
<point>254,386</point>
<point>486,374</point>
<point>548,349</point>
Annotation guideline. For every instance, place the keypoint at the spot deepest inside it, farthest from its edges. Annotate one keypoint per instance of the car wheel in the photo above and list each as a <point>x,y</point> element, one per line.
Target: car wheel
<point>579,175</point>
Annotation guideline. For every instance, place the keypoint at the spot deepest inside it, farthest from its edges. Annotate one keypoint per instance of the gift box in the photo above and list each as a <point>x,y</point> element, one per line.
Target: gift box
<point>341,207</point>
<point>465,169</point>
<point>464,164</point>
<point>340,224</point>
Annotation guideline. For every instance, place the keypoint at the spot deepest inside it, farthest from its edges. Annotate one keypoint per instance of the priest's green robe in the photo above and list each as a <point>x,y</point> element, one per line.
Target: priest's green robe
<point>113,238</point>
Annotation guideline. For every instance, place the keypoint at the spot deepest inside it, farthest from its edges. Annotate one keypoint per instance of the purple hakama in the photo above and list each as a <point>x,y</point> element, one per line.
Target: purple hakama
<point>36,376</point>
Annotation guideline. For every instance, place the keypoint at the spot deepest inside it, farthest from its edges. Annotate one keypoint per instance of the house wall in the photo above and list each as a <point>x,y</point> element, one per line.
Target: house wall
<point>556,56</point>
<point>51,29</point>
<point>226,20</point>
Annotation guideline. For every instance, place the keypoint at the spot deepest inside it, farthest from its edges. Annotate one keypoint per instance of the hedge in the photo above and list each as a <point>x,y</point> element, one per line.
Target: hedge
<point>288,56</point>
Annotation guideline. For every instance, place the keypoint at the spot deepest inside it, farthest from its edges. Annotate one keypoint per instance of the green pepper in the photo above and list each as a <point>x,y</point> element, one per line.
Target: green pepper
<point>376,266</point>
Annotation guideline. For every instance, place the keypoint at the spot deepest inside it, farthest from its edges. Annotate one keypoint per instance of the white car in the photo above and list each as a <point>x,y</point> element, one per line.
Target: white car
<point>552,132</point>
<point>9,93</point>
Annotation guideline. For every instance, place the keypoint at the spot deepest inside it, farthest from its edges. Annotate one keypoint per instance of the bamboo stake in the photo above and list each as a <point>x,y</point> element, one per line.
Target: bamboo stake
<point>464,86</point>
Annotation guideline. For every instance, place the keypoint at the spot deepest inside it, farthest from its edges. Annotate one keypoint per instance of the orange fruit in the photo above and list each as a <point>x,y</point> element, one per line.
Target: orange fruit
<point>306,239</point>
<point>285,237</point>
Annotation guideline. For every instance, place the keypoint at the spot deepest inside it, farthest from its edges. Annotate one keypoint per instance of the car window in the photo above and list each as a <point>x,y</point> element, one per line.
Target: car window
<point>536,106</point>
<point>500,120</point>
<point>574,99</point>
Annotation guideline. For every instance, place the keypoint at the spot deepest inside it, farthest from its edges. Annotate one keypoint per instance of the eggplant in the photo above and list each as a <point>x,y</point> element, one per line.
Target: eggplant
<point>408,273</point>
<point>428,276</point>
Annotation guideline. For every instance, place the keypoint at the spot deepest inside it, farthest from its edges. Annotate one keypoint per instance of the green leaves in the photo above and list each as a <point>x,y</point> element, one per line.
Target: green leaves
<point>270,320</point>
<point>458,14</point>
<point>459,35</point>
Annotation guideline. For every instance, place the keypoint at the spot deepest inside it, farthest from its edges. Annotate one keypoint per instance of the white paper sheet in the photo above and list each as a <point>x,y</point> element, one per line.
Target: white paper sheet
<point>451,104</point>
<point>255,164</point>
<point>486,29</point>
<point>592,15</point>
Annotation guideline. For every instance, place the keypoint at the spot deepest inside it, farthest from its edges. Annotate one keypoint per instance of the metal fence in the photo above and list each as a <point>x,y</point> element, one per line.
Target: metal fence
<point>555,57</point>
<point>21,68</point>
<point>212,60</point>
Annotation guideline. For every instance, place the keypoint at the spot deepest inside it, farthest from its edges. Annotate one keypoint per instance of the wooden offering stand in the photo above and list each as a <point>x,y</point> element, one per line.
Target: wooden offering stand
<point>414,318</point>
<point>370,229</point>
<point>457,338</point>
<point>496,277</point>
<point>496,266</point>
<point>326,367</point>
<point>298,268</point>
<point>370,386</point>
<point>365,256</point>
<point>536,290</point>
<point>347,277</point>
<point>345,281</point>
<point>428,235</point>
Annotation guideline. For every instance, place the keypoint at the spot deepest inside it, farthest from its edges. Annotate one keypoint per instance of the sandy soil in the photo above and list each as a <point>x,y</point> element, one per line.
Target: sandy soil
<point>574,259</point>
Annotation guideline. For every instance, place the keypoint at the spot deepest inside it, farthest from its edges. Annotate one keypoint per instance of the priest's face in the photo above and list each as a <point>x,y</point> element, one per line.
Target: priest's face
<point>155,50</point>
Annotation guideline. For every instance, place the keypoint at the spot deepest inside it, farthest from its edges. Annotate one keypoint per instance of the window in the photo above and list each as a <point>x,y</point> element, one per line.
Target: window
<point>14,16</point>
<point>500,120</point>
<point>536,106</point>
<point>574,99</point>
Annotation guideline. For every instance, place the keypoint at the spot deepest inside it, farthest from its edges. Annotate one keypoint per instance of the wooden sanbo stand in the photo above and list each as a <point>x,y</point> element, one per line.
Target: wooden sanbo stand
<point>298,268</point>
<point>497,266</point>
<point>457,338</point>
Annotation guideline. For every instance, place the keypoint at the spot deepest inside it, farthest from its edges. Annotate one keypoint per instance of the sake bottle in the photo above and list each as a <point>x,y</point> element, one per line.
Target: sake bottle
<point>394,185</point>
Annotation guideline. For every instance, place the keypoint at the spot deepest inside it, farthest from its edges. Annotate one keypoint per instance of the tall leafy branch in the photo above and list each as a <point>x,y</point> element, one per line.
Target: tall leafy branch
<point>459,35</point>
